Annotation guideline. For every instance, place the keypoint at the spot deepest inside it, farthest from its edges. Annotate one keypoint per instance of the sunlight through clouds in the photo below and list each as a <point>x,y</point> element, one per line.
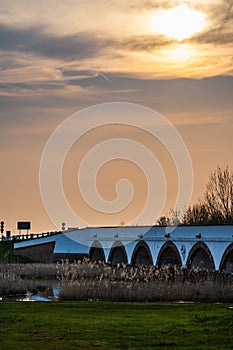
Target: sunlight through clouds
<point>178,22</point>
<point>116,36</point>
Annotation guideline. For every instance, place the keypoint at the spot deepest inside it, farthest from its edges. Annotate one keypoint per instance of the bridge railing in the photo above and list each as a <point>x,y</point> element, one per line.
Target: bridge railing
<point>29,236</point>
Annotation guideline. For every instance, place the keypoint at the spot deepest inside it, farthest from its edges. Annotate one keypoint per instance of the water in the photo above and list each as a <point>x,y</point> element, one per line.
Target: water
<point>48,296</point>
<point>41,296</point>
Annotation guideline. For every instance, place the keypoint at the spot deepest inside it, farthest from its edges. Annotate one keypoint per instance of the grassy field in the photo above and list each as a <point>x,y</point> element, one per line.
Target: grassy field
<point>106,325</point>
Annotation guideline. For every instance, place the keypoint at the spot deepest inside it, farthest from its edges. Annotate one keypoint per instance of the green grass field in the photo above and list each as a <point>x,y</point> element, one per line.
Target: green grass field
<point>106,325</point>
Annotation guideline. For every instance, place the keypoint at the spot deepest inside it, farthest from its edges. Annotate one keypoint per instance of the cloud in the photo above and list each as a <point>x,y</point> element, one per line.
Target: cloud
<point>25,86</point>
<point>35,40</point>
<point>77,72</point>
<point>76,46</point>
<point>153,5</point>
<point>220,28</point>
<point>220,15</point>
<point>213,36</point>
<point>100,81</point>
<point>147,42</point>
<point>208,94</point>
<point>222,12</point>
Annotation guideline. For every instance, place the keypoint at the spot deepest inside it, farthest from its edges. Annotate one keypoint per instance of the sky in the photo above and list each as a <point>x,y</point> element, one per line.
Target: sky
<point>59,57</point>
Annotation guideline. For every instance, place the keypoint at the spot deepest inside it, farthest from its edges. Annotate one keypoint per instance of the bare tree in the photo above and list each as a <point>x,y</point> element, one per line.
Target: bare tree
<point>162,221</point>
<point>196,215</point>
<point>173,218</point>
<point>219,196</point>
<point>215,208</point>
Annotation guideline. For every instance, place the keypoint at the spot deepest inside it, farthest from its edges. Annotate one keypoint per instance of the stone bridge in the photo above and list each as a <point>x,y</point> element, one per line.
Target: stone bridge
<point>205,247</point>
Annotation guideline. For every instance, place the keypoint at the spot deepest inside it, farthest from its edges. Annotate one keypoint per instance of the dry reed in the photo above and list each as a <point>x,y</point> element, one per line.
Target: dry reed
<point>16,279</point>
<point>87,280</point>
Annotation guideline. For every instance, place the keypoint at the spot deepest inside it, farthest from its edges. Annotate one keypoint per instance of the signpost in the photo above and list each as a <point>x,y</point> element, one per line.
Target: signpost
<point>23,225</point>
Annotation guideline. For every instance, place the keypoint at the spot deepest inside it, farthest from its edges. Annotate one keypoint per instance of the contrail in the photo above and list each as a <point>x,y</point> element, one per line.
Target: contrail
<point>106,78</point>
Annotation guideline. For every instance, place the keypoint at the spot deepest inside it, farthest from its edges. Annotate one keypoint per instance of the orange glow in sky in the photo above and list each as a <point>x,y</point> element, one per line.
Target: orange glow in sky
<point>59,57</point>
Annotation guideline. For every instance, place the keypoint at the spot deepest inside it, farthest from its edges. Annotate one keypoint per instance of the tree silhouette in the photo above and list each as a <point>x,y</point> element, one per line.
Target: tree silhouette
<point>216,207</point>
<point>219,196</point>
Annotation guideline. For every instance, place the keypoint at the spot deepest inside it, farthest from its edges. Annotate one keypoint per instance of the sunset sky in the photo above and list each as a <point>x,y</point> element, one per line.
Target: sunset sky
<point>58,57</point>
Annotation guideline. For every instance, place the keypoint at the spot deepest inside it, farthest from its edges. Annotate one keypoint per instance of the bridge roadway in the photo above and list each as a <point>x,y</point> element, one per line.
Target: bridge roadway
<point>205,247</point>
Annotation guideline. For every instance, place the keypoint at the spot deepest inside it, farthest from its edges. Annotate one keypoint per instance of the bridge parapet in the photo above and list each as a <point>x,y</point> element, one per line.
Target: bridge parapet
<point>209,247</point>
<point>29,236</point>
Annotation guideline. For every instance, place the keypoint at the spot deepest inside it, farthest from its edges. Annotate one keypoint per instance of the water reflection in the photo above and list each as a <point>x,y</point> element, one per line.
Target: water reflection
<point>45,296</point>
<point>51,294</point>
<point>33,297</point>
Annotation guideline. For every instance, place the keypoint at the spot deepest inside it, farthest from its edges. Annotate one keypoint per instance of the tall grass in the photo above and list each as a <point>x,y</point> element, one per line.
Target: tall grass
<point>17,279</point>
<point>29,269</point>
<point>87,280</point>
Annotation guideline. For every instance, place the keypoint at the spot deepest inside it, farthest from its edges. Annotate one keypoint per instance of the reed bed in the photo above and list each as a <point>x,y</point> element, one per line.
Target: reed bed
<point>87,280</point>
<point>18,279</point>
<point>20,269</point>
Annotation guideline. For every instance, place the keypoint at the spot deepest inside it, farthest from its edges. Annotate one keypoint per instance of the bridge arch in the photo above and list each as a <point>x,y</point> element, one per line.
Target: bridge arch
<point>200,257</point>
<point>142,255</point>
<point>169,255</point>
<point>226,264</point>
<point>118,254</point>
<point>96,252</point>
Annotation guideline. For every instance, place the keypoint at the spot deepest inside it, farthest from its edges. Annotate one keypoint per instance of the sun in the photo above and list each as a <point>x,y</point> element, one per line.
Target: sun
<point>177,23</point>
